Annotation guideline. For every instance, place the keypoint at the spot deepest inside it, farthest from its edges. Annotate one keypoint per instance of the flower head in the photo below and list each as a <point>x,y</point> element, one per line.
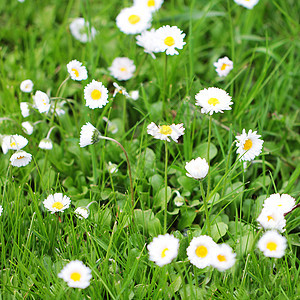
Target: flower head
<point>24,106</point>
<point>122,68</point>
<point>96,95</point>
<point>46,144</point>
<point>82,212</point>
<point>76,70</point>
<point>178,200</point>
<point>119,90</point>
<point>82,31</point>
<point>41,101</point>
<point>112,168</point>
<point>197,168</point>
<point>27,127</point>
<point>1,210</point>
<point>57,202</point>
<point>134,95</point>
<point>223,257</point>
<point>26,86</point>
<point>89,135</point>
<point>223,66</point>
<point>20,159</point>
<point>150,41</point>
<point>283,203</point>
<point>272,218</point>
<point>247,3</point>
<point>14,142</point>
<point>163,132</point>
<point>151,5</point>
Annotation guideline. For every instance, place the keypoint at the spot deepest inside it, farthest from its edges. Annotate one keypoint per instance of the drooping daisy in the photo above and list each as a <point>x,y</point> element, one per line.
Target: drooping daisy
<point>82,31</point>
<point>112,168</point>
<point>76,274</point>
<point>247,3</point>
<point>26,86</point>
<point>163,132</point>
<point>14,142</point>
<point>223,66</point>
<point>122,68</point>
<point>119,90</point>
<point>213,100</point>
<point>24,106</point>
<point>150,41</point>
<point>170,38</point>
<point>1,210</point>
<point>112,126</point>
<point>178,200</point>
<point>151,5</point>
<point>57,202</point>
<point>41,101</point>
<point>46,144</point>
<point>95,94</point>
<point>249,145</point>
<point>272,218</point>
<point>76,70</point>
<point>134,95</point>
<point>163,249</point>
<point>272,244</point>
<point>201,250</point>
<point>89,135</point>
<point>284,202</point>
<point>133,20</point>
<point>82,212</point>
<point>57,108</point>
<point>223,258</point>
<point>20,159</point>
<point>27,127</point>
<point>197,168</point>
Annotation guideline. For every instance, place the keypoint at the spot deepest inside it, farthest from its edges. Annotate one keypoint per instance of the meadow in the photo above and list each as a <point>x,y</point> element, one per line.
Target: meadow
<point>129,205</point>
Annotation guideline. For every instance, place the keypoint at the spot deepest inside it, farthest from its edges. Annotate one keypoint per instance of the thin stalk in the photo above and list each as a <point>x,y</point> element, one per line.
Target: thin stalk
<point>205,200</point>
<point>226,169</point>
<point>61,85</point>
<point>165,85</point>
<point>124,113</point>
<point>166,186</point>
<point>208,147</point>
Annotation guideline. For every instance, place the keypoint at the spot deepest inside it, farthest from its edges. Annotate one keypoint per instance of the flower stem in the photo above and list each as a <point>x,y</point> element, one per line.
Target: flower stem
<point>208,148</point>
<point>166,187</point>
<point>205,200</point>
<point>165,85</point>
<point>59,88</point>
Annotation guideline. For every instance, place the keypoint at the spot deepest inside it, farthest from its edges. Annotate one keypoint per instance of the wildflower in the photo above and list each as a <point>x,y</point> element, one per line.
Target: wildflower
<point>272,218</point>
<point>197,168</point>
<point>213,100</point>
<point>249,145</point>
<point>201,251</point>
<point>247,3</point>
<point>89,135</point>
<point>57,108</point>
<point>46,144</point>
<point>163,249</point>
<point>112,127</point>
<point>82,212</point>
<point>223,66</point>
<point>24,106</point>
<point>284,202</point>
<point>76,70</point>
<point>151,5</point>
<point>119,90</point>
<point>41,101</point>
<point>20,159</point>
<point>27,127</point>
<point>26,86</point>
<point>1,210</point>
<point>134,95</point>
<point>76,274</point>
<point>170,38</point>
<point>163,132</point>
<point>81,30</point>
<point>57,202</point>
<point>14,142</point>
<point>122,68</point>
<point>149,41</point>
<point>133,20</point>
<point>112,168</point>
<point>95,94</point>
<point>272,244</point>
<point>223,257</point>
<point>178,200</point>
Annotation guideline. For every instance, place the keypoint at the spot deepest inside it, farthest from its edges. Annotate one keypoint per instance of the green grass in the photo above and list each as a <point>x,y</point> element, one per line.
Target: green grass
<point>264,85</point>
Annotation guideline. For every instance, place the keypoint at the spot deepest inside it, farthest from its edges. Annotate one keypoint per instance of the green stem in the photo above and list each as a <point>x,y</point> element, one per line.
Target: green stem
<point>166,187</point>
<point>208,148</point>
<point>226,169</point>
<point>124,114</point>
<point>59,88</point>
<point>165,86</point>
<point>205,200</point>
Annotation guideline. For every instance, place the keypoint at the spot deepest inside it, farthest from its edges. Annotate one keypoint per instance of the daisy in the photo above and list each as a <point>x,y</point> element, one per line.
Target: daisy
<point>24,106</point>
<point>57,202</point>
<point>284,202</point>
<point>76,274</point>
<point>46,144</point>
<point>163,132</point>
<point>247,3</point>
<point>81,30</point>
<point>163,249</point>
<point>151,5</point>
<point>112,168</point>
<point>213,100</point>
<point>122,68</point>
<point>82,212</point>
<point>223,257</point>
<point>41,101</point>
<point>20,159</point>
<point>26,86</point>
<point>249,145</point>
<point>4,146</point>
<point>133,20</point>
<point>272,244</point>
<point>272,218</point>
<point>149,41</point>
<point>201,251</point>
<point>14,142</point>
<point>119,90</point>
<point>178,200</point>
<point>95,94</point>
<point>197,168</point>
<point>76,70</point>
<point>1,210</point>
<point>170,38</point>
<point>27,127</point>
<point>223,66</point>
<point>89,135</point>
<point>134,95</point>
<point>57,108</point>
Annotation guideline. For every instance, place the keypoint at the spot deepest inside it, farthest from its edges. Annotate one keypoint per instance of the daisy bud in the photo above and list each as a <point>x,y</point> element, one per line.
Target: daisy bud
<point>197,168</point>
<point>89,135</point>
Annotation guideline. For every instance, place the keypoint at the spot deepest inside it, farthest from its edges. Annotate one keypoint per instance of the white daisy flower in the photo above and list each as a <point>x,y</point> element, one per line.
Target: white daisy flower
<point>133,20</point>
<point>76,274</point>
<point>26,86</point>
<point>272,244</point>
<point>95,94</point>
<point>178,200</point>
<point>272,218</point>
<point>150,41</point>
<point>197,168</point>
<point>14,142</point>
<point>1,210</point>
<point>163,132</point>
<point>249,145</point>
<point>24,106</point>
<point>247,3</point>
<point>163,249</point>
<point>284,202</point>
<point>213,100</point>
<point>223,257</point>
<point>112,168</point>
<point>46,144</point>
<point>57,202</point>
<point>170,38</point>
<point>201,251</point>
<point>82,212</point>
<point>223,66</point>
<point>112,127</point>
<point>27,127</point>
<point>41,101</point>
<point>151,5</point>
<point>119,90</point>
<point>59,111</point>
<point>89,135</point>
<point>122,68</point>
<point>20,159</point>
<point>76,70</point>
<point>81,31</point>
<point>4,146</point>
<point>134,95</point>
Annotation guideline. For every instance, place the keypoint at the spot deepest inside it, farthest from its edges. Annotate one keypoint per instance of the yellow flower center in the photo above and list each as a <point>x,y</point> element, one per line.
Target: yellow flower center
<point>272,246</point>
<point>224,67</point>
<point>57,205</point>
<point>151,3</point>
<point>20,157</point>
<point>76,72</point>
<point>133,19</point>
<point>213,101</point>
<point>248,145</point>
<point>163,254</point>
<point>44,102</point>
<point>279,205</point>
<point>96,94</point>
<point>169,41</point>
<point>201,251</point>
<point>165,129</point>
<point>221,257</point>
<point>75,276</point>
<point>123,69</point>
<point>27,86</point>
<point>270,218</point>
<point>12,144</point>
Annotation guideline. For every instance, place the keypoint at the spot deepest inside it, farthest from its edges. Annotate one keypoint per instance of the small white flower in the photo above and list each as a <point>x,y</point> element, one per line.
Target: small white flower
<point>14,142</point>
<point>24,106</point>
<point>46,144</point>
<point>213,100</point>
<point>95,94</point>
<point>89,135</point>
<point>57,202</point>
<point>26,86</point>
<point>151,5</point>
<point>178,200</point>
<point>41,101</point>
<point>58,106</point>
<point>197,168</point>
<point>150,41</point>
<point>76,70</point>
<point>134,95</point>
<point>249,145</point>
<point>119,90</point>
<point>284,202</point>
<point>112,168</point>
<point>1,210</point>
<point>272,218</point>
<point>82,212</point>
<point>223,66</point>
<point>27,127</point>
<point>81,30</point>
<point>223,257</point>
<point>272,244</point>
<point>247,3</point>
<point>20,159</point>
<point>163,249</point>
<point>112,126</point>
<point>76,274</point>
<point>163,132</point>
<point>122,68</point>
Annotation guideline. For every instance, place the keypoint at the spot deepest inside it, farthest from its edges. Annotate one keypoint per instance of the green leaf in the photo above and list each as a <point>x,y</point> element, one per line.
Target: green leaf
<point>218,230</point>
<point>159,200</point>
<point>201,151</point>
<point>187,218</point>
